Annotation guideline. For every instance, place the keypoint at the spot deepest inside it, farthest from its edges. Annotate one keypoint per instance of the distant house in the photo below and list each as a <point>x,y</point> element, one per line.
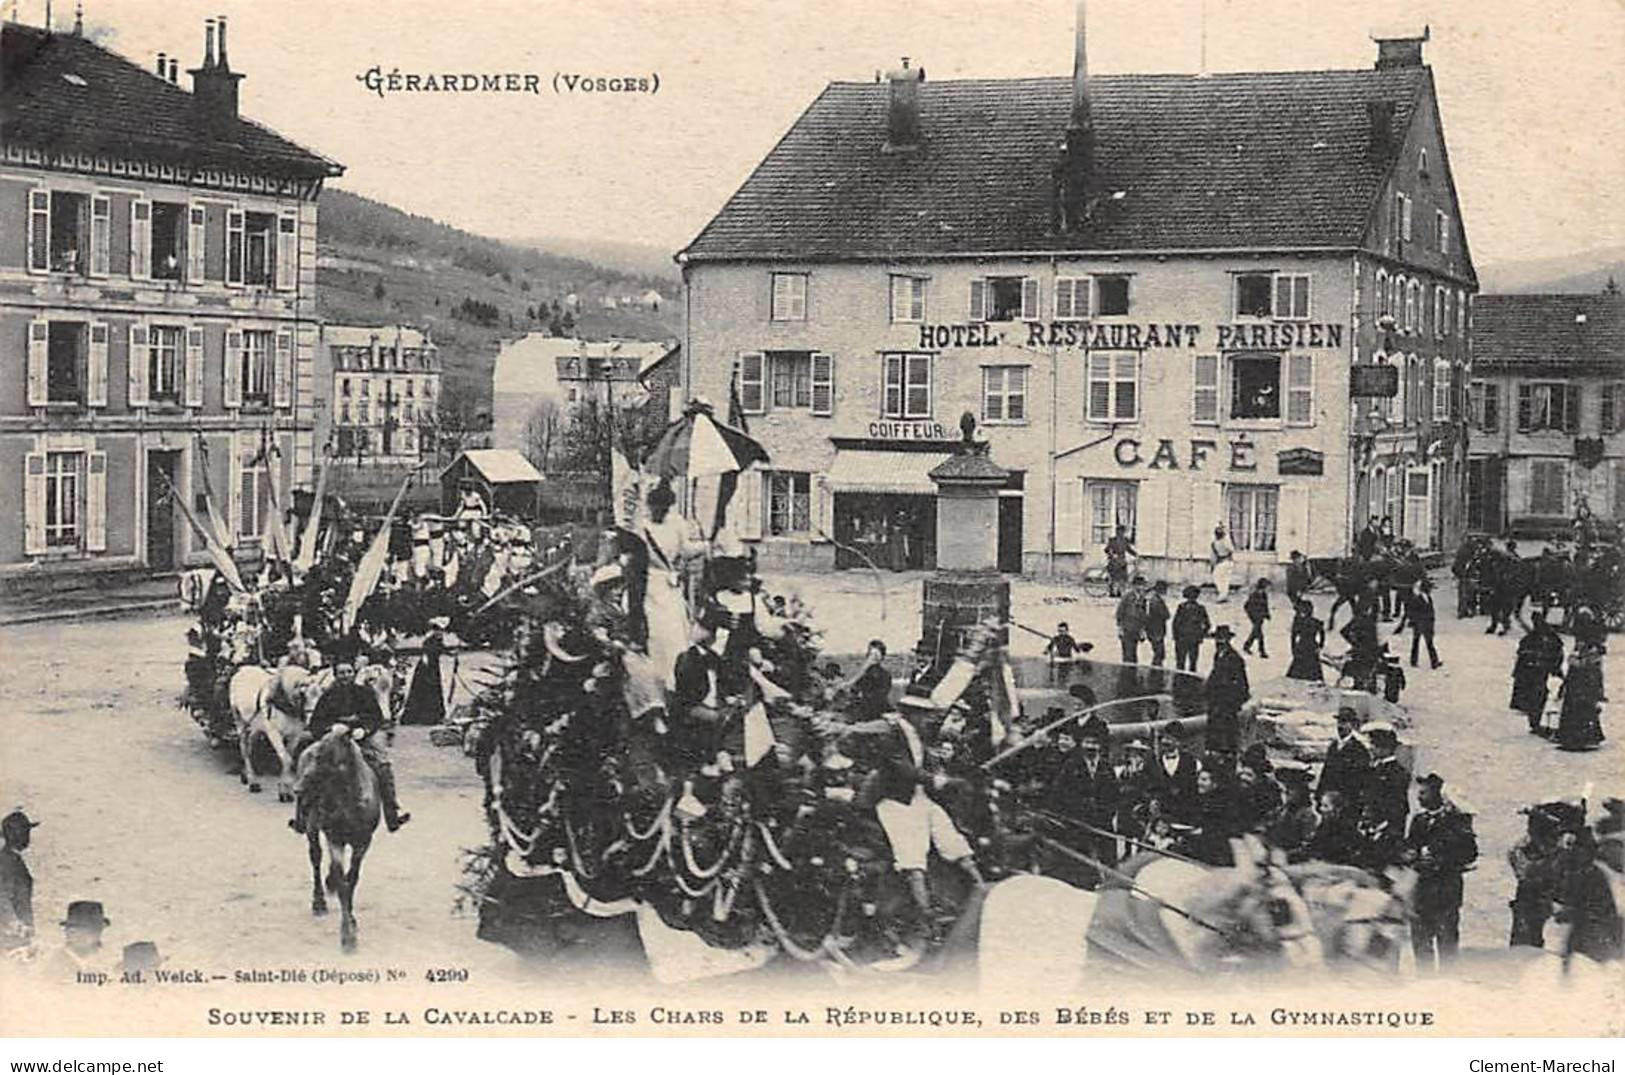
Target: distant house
<point>504,479</point>
<point>537,367</point>
<point>652,299</point>
<point>572,301</point>
<point>608,302</point>
<point>382,383</point>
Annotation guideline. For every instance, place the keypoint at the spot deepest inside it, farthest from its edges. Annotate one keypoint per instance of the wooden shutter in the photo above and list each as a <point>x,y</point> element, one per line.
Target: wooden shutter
<point>823,384</point>
<point>1526,395</point>
<point>194,367</point>
<point>821,508</point>
<point>196,242</point>
<point>101,235</point>
<point>1291,522</point>
<point>1300,390</point>
<point>96,381</point>
<point>236,252</point>
<point>1029,298</point>
<point>753,382</point>
<point>282,387</point>
<point>138,359</point>
<point>34,503</point>
<point>1207,511</point>
<point>96,501</point>
<point>1069,504</point>
<point>1571,409</point>
<point>1205,396</point>
<point>978,300</point>
<point>140,239</point>
<point>39,234</point>
<point>234,368</point>
<point>39,354</point>
<point>287,251</point>
<point>751,493</point>
<point>1151,518</point>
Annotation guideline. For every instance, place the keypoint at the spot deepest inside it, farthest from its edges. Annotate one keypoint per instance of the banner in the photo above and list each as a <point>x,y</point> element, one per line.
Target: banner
<point>306,557</point>
<point>217,553</point>
<point>626,490</point>
<point>372,563</point>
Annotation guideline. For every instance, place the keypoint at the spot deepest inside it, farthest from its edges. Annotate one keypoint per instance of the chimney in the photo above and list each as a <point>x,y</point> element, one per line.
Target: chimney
<point>161,68</point>
<point>903,108</point>
<point>1400,51</point>
<point>1078,150</point>
<point>214,84</point>
<point>1381,115</point>
<point>174,71</point>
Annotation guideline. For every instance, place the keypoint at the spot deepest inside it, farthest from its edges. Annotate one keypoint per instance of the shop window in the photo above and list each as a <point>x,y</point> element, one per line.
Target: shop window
<point>789,502</point>
<point>165,363</point>
<point>1112,504</point>
<point>1547,492</point>
<point>1113,388</point>
<point>167,250</point>
<point>1111,296</point>
<point>789,296</point>
<point>1255,386</point>
<point>1252,512</point>
<point>1553,406</point>
<point>1004,394</point>
<point>906,386</point>
<point>907,299</point>
<point>65,362</point>
<point>62,491</point>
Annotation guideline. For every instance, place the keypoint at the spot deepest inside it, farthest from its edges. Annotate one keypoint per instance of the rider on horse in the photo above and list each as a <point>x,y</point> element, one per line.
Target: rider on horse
<point>350,703</point>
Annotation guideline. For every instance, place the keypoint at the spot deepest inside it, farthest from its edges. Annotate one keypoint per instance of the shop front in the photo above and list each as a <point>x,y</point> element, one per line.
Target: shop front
<point>885,508</point>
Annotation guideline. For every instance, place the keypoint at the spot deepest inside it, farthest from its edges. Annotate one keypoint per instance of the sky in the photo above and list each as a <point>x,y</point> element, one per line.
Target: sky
<point>1530,94</point>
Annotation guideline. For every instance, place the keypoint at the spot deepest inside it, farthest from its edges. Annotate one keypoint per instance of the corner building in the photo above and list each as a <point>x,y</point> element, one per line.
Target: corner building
<point>1151,292</point>
<point>157,307</point>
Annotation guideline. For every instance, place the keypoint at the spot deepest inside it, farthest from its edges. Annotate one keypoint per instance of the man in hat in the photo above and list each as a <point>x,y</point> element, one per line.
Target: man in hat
<point>1135,789</point>
<point>1258,795</point>
<point>1293,827</point>
<point>1297,577</point>
<point>1227,691</point>
<point>1191,626</point>
<point>1173,772</point>
<point>1131,620</point>
<point>1417,610</point>
<point>1535,862</point>
<point>16,882</point>
<point>353,704</point>
<point>81,950</point>
<point>1223,557</point>
<point>138,958</point>
<point>1348,761</point>
<point>1085,789</point>
<point>1118,549</point>
<point>1156,622</point>
<point>1440,846</point>
<point>870,689</point>
<point>1386,788</point>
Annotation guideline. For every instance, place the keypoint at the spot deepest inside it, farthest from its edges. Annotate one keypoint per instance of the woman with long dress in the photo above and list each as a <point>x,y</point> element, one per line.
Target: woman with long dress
<point>1540,656</point>
<point>1308,636</point>
<point>672,542</point>
<point>1579,726</point>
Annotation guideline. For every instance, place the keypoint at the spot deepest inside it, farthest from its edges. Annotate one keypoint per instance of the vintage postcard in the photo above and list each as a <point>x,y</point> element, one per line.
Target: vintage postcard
<point>733,518</point>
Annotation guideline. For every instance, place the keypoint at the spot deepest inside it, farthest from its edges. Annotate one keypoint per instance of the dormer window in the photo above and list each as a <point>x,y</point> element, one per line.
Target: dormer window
<point>1422,162</point>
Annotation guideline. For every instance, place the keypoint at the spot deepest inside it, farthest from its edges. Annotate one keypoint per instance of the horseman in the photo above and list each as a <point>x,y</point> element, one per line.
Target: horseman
<point>350,703</point>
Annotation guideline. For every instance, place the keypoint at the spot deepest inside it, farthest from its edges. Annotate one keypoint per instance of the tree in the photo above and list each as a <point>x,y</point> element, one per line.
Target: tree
<point>542,431</point>
<point>378,290</point>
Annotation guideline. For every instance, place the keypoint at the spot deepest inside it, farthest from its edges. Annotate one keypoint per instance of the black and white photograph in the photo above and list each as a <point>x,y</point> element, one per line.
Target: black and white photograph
<point>758,520</point>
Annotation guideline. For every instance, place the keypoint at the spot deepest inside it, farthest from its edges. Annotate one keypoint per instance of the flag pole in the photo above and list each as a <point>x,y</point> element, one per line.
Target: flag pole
<point>217,553</point>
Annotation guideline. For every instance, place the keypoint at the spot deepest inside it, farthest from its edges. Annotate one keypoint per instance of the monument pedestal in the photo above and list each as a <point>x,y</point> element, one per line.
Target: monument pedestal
<point>956,602</point>
<point>967,589</point>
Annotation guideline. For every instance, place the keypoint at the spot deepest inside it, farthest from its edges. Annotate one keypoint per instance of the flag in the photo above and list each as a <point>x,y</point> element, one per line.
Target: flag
<point>305,559</point>
<point>277,531</point>
<point>222,532</point>
<point>372,563</point>
<point>759,740</point>
<point>1005,705</point>
<point>218,554</point>
<point>626,490</point>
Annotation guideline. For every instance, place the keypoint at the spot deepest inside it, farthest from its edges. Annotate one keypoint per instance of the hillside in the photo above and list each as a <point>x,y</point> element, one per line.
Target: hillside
<point>1586,271</point>
<point>639,259</point>
<point>379,265</point>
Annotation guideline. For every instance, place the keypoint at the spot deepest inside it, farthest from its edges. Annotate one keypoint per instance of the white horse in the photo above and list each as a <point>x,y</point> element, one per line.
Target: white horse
<point>276,706</point>
<point>1185,919</point>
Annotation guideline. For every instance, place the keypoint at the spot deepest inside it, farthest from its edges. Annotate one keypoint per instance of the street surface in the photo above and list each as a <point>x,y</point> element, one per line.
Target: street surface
<point>139,813</point>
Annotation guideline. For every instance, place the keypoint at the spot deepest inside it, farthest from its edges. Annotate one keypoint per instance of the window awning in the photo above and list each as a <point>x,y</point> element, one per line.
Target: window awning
<point>884,472</point>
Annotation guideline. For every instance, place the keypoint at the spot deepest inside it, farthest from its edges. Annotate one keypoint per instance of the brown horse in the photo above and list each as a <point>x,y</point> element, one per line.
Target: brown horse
<point>341,808</point>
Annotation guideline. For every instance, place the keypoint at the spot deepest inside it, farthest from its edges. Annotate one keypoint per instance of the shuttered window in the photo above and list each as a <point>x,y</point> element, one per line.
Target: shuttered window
<point>1113,387</point>
<point>63,492</point>
<point>1205,398</point>
<point>1547,487</point>
<point>1300,390</point>
<point>906,386</point>
<point>1004,394</point>
<point>1072,298</point>
<point>752,383</point>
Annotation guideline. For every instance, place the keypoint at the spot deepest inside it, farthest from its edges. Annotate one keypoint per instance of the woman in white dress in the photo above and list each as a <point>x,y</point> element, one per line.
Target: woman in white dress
<point>673,542</point>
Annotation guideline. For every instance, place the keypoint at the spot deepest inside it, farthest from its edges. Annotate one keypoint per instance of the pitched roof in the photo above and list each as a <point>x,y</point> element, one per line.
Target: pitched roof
<point>60,91</point>
<point>1229,160</point>
<point>499,465</point>
<point>1548,328</point>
